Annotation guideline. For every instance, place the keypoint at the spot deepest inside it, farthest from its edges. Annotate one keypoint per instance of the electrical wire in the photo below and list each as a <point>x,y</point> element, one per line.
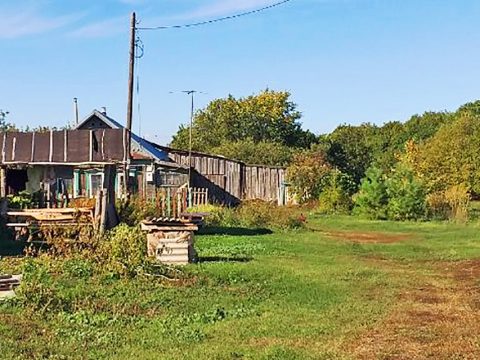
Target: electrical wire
<point>207,22</point>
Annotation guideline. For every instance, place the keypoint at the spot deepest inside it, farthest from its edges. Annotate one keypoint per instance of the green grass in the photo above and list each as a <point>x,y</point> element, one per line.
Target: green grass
<point>284,295</point>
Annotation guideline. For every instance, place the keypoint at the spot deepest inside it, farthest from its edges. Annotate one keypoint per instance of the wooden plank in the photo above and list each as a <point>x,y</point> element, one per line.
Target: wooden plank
<point>146,227</point>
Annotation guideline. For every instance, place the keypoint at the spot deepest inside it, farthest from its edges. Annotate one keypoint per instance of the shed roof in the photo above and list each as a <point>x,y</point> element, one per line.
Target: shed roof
<point>67,147</point>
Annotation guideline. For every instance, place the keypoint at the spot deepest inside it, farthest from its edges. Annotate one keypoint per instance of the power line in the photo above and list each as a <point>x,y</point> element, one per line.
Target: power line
<point>231,17</point>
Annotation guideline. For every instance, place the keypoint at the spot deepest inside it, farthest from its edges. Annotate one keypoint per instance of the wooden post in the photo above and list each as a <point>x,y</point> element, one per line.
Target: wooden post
<point>98,210</point>
<point>111,217</point>
<point>3,191</point>
<point>3,183</point>
<point>169,208</point>
<point>104,212</point>
<point>131,73</point>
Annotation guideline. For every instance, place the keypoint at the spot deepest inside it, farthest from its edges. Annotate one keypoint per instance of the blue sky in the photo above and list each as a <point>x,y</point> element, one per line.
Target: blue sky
<point>344,61</point>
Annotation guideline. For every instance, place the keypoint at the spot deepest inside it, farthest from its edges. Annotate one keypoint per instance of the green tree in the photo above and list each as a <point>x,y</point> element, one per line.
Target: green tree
<point>352,149</point>
<point>451,156</point>
<point>422,127</point>
<point>372,199</point>
<point>336,195</point>
<point>4,125</point>
<point>261,153</point>
<point>267,117</point>
<point>406,195</point>
<point>307,173</point>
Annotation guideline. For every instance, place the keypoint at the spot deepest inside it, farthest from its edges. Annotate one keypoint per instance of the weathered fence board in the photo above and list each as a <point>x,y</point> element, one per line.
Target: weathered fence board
<point>230,181</point>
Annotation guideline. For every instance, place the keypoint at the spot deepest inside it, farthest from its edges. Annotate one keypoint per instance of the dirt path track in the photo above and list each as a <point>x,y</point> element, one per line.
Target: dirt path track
<point>438,317</point>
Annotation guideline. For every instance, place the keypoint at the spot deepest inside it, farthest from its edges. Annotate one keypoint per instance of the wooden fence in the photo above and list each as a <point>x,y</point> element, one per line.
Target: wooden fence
<point>230,181</point>
<point>171,202</point>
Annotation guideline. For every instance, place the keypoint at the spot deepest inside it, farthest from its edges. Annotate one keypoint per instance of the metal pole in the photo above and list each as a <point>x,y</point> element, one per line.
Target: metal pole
<point>75,109</point>
<point>190,145</point>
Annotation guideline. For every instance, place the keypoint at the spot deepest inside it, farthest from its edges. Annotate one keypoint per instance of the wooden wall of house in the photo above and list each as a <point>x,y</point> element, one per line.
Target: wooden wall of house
<point>231,181</point>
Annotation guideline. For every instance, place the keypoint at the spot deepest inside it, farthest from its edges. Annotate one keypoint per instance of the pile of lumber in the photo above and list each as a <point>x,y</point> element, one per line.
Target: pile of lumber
<point>9,282</point>
<point>27,221</point>
<point>47,217</point>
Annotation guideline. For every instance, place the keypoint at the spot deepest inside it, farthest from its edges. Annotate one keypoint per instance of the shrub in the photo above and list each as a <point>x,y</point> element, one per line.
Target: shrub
<point>406,195</point>
<point>136,209</point>
<point>257,214</point>
<point>21,201</point>
<point>122,251</point>
<point>336,194</point>
<point>452,203</point>
<point>372,199</point>
<point>307,173</point>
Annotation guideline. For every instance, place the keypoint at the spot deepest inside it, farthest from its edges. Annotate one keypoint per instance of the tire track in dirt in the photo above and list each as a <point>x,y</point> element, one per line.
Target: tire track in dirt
<point>437,317</point>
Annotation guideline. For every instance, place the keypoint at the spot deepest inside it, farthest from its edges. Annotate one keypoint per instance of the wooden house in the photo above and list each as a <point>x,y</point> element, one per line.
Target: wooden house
<point>150,168</point>
<point>72,163</point>
<point>48,163</point>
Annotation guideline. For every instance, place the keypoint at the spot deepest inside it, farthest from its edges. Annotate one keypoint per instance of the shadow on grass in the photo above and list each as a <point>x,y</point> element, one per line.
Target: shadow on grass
<point>12,248</point>
<point>8,246</point>
<point>244,259</point>
<point>233,231</point>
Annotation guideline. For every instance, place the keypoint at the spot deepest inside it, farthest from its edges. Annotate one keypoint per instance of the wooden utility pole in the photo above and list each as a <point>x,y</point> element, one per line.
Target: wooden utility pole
<point>131,71</point>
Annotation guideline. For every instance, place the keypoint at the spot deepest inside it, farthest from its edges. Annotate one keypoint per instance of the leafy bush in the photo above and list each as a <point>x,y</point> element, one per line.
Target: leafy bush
<point>21,201</point>
<point>406,195</point>
<point>372,199</point>
<point>336,196</point>
<point>400,196</point>
<point>307,173</point>
<point>136,209</point>
<point>452,203</point>
<point>257,214</point>
<point>122,251</point>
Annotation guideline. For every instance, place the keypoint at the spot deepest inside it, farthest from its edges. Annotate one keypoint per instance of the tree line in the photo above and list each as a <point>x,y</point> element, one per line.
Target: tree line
<point>426,167</point>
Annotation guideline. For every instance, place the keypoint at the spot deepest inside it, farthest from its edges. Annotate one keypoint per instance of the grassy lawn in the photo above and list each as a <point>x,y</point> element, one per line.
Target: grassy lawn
<point>344,289</point>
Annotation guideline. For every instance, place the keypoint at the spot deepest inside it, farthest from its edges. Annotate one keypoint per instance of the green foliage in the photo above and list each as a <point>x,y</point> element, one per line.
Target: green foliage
<point>406,195</point>
<point>423,127</point>
<point>452,203</point>
<point>133,211</point>
<point>225,125</point>
<point>257,214</point>
<point>260,153</point>
<point>451,157</point>
<point>336,196</point>
<point>399,196</point>
<point>4,125</point>
<point>372,199</point>
<point>122,252</point>
<point>307,173</point>
<point>21,201</point>
<point>38,291</point>
<point>352,149</point>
